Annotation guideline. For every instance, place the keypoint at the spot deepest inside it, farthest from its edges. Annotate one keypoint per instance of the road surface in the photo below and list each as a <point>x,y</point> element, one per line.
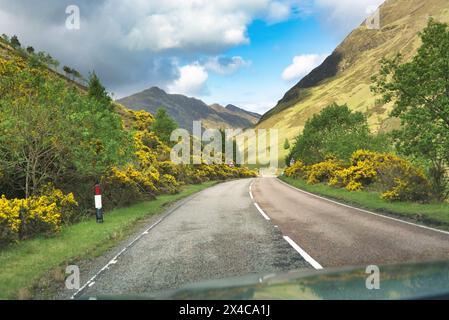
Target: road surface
<point>216,234</point>
<point>258,226</point>
<point>336,235</point>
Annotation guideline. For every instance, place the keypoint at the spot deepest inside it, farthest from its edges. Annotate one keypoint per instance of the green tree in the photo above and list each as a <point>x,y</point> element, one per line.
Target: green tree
<point>15,43</point>
<point>67,70</point>
<point>49,132</point>
<point>163,125</point>
<point>335,131</point>
<point>286,144</point>
<point>5,38</point>
<point>420,92</point>
<point>96,90</point>
<point>30,50</point>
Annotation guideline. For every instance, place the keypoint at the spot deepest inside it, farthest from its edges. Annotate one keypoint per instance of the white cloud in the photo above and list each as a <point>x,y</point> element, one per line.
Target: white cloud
<point>191,24</point>
<point>192,80</point>
<point>278,11</point>
<point>302,65</point>
<point>131,44</point>
<point>226,66</point>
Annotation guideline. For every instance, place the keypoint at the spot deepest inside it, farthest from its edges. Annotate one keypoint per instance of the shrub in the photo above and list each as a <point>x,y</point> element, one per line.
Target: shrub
<point>298,170</point>
<point>9,220</point>
<point>396,178</point>
<point>25,218</point>
<point>401,181</point>
<point>336,131</point>
<point>324,171</point>
<point>168,184</point>
<point>39,216</point>
<point>66,202</point>
<point>123,187</point>
<point>360,174</point>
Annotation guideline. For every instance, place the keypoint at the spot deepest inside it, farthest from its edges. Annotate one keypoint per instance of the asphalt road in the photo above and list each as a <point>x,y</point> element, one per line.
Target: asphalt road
<point>335,235</point>
<point>217,234</point>
<point>257,226</point>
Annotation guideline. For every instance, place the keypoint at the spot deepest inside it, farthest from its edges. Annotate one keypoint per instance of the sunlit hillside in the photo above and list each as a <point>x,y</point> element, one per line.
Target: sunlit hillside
<point>345,77</point>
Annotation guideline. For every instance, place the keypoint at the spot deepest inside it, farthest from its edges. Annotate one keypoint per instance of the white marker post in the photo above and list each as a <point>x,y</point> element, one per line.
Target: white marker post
<point>98,203</point>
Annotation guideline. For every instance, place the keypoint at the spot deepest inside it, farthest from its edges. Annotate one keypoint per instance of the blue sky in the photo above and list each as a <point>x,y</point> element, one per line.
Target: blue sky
<point>272,49</point>
<point>244,52</point>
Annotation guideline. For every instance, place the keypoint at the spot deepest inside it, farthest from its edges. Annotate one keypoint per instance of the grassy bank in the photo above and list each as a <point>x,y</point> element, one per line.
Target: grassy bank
<point>24,264</point>
<point>436,215</point>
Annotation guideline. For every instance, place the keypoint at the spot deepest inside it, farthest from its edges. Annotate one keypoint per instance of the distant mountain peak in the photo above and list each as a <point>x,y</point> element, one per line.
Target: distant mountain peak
<point>185,110</point>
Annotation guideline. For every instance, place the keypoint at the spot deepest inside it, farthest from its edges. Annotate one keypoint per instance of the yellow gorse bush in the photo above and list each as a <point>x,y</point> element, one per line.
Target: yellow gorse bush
<point>24,218</point>
<point>324,171</point>
<point>396,178</point>
<point>298,170</point>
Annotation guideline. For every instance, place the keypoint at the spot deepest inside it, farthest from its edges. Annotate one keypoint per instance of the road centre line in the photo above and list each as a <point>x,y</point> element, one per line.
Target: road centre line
<point>304,254</point>
<point>262,212</point>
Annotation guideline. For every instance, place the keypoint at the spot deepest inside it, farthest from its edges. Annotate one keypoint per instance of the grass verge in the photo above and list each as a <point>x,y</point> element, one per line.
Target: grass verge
<point>24,264</point>
<point>435,214</point>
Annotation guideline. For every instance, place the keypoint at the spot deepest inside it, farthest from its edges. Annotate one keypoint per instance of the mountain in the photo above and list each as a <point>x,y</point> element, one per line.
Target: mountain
<point>345,76</point>
<point>185,110</point>
<point>232,111</point>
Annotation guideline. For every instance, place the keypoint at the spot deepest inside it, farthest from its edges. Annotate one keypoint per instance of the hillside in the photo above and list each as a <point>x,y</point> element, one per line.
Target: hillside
<point>345,76</point>
<point>7,52</point>
<point>185,110</point>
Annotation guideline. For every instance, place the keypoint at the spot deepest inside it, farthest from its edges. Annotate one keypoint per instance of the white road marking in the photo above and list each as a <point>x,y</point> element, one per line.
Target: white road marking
<point>251,190</point>
<point>364,211</point>
<point>262,213</point>
<point>304,254</point>
<point>114,260</point>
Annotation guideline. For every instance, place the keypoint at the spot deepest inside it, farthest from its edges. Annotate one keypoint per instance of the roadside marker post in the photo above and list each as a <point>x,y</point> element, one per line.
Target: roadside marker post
<point>98,204</point>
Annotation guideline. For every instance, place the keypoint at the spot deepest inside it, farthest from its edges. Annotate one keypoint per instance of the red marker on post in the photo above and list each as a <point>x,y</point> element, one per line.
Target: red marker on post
<point>98,203</point>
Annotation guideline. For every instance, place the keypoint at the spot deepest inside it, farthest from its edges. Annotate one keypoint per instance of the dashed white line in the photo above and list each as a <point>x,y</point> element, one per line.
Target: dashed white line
<point>364,211</point>
<point>251,191</point>
<point>262,212</point>
<point>304,254</point>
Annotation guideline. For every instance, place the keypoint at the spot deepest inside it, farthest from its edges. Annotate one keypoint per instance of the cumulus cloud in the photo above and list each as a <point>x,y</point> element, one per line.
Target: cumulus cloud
<point>302,65</point>
<point>192,24</point>
<point>191,81</point>
<point>226,65</point>
<point>132,44</point>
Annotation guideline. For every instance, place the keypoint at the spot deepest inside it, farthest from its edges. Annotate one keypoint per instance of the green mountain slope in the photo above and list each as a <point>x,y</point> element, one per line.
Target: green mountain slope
<point>185,110</point>
<point>345,76</point>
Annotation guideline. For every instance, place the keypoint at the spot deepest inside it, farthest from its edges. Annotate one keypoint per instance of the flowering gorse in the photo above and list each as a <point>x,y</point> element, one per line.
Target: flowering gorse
<point>396,178</point>
<point>24,218</point>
